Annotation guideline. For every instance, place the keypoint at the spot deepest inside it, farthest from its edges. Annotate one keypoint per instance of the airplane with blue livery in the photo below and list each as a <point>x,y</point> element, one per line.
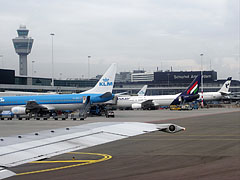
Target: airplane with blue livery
<point>44,104</point>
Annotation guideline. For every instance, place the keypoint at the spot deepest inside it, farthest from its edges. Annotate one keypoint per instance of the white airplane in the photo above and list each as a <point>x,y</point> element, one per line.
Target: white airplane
<point>137,102</point>
<point>43,104</point>
<point>142,92</point>
<point>213,96</point>
<point>21,149</point>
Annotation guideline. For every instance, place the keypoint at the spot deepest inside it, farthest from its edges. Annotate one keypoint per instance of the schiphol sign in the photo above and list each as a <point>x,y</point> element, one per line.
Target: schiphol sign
<point>190,76</point>
<point>105,82</point>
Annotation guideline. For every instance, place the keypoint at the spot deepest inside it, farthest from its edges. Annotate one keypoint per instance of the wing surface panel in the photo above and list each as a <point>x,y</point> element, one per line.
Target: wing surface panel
<point>31,147</point>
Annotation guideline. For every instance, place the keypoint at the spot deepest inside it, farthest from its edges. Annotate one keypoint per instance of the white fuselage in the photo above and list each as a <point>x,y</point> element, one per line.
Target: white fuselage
<point>210,96</point>
<point>161,100</point>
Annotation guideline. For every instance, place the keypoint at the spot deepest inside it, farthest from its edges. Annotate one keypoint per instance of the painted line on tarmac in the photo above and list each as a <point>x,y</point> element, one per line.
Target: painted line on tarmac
<point>80,163</point>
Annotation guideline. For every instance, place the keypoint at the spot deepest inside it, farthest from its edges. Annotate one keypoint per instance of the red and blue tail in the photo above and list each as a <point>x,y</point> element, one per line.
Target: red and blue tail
<point>193,89</point>
<point>190,94</point>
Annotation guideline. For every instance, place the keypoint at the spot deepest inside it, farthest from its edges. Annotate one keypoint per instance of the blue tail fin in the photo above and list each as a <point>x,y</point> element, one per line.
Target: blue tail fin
<point>190,94</point>
<point>193,88</point>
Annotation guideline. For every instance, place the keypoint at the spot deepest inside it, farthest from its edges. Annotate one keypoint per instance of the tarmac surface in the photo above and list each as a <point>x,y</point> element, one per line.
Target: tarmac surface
<point>208,149</point>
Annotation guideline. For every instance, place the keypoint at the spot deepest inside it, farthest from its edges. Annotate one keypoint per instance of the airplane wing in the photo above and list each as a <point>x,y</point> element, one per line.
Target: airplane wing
<point>32,105</point>
<point>147,103</point>
<point>22,149</point>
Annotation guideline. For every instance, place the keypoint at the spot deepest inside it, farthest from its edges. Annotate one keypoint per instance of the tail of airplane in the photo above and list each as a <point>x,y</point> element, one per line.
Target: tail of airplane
<point>105,84</point>
<point>193,88</point>
<point>142,92</point>
<point>190,94</point>
<point>225,88</point>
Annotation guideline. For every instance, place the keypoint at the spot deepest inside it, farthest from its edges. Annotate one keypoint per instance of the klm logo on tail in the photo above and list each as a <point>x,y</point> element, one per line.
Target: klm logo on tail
<point>105,82</point>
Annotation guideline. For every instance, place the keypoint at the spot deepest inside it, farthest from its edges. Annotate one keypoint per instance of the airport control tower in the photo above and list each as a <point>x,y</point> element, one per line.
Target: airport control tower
<point>23,45</point>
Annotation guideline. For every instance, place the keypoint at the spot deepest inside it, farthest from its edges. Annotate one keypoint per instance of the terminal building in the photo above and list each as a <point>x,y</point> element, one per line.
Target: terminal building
<point>168,82</point>
<point>142,77</point>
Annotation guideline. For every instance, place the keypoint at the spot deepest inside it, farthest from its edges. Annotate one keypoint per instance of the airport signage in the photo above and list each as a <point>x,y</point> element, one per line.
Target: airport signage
<point>190,76</point>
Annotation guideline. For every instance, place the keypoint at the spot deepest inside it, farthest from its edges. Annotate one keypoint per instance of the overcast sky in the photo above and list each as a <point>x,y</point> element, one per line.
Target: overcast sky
<point>136,34</point>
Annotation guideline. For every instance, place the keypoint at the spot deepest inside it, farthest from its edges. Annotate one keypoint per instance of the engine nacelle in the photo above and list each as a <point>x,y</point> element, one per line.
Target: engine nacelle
<point>136,106</point>
<point>172,128</point>
<point>19,110</point>
<point>189,98</point>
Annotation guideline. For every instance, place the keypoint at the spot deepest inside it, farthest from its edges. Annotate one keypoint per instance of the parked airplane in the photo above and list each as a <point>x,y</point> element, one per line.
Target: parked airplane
<point>137,102</point>
<point>213,96</point>
<point>141,92</point>
<point>30,147</point>
<point>43,104</point>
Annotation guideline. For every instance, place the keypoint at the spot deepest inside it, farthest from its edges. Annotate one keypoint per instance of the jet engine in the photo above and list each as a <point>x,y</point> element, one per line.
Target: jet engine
<point>189,98</point>
<point>19,110</point>
<point>172,128</point>
<point>136,106</point>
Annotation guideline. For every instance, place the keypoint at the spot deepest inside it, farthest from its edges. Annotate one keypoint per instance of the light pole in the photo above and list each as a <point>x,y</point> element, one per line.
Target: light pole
<point>89,67</point>
<point>32,67</point>
<point>52,34</point>
<point>201,81</point>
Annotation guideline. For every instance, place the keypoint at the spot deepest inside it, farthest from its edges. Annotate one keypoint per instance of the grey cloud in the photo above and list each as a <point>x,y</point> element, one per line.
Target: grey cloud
<point>131,33</point>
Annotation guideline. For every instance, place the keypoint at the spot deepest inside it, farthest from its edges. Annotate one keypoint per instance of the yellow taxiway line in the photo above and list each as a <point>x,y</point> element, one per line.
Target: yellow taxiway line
<point>80,163</point>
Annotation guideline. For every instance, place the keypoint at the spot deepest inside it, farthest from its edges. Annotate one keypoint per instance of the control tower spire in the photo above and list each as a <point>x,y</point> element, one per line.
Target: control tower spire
<point>23,45</point>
